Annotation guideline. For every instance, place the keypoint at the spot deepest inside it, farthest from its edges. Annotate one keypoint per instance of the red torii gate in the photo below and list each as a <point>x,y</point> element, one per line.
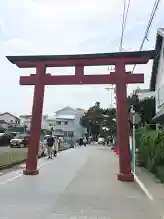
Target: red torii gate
<point>120,77</point>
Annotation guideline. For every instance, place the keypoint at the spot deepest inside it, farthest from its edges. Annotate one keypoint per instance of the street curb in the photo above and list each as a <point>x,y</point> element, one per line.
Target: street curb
<point>142,186</point>
<point>9,166</point>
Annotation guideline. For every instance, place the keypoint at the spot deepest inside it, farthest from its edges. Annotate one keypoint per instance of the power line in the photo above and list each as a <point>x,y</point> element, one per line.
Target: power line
<point>154,10</point>
<point>122,25</point>
<point>155,7</point>
<point>124,20</point>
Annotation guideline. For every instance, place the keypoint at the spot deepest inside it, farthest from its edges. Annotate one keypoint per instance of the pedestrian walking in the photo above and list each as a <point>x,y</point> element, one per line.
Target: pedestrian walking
<point>50,143</point>
<point>81,141</point>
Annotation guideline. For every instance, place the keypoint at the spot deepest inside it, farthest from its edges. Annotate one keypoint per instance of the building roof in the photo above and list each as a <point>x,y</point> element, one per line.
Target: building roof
<point>135,54</point>
<point>82,110</point>
<point>9,114</point>
<point>158,47</point>
<point>70,117</point>
<point>25,116</point>
<point>65,108</point>
<point>51,118</point>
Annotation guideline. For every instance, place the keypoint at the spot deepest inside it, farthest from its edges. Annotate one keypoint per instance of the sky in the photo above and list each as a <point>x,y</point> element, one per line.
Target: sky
<point>44,27</point>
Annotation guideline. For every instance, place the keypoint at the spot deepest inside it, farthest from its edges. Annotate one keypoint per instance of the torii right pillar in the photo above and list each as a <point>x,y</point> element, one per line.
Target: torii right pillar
<point>122,115</point>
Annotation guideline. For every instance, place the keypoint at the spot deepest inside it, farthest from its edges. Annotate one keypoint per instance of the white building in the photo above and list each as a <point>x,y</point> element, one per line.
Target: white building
<point>144,93</point>
<point>68,123</point>
<point>10,119</point>
<point>157,78</point>
<point>25,120</point>
<point>50,123</point>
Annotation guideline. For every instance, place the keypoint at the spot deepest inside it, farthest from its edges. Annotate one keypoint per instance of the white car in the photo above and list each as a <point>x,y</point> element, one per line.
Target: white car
<point>101,140</point>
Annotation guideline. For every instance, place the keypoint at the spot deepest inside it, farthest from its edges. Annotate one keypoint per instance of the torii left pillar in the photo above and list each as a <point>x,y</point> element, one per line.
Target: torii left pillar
<point>31,163</point>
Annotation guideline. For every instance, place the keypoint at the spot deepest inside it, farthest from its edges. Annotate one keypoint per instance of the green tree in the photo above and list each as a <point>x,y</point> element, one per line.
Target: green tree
<point>145,107</point>
<point>92,120</point>
<point>100,121</point>
<point>147,110</point>
<point>110,120</point>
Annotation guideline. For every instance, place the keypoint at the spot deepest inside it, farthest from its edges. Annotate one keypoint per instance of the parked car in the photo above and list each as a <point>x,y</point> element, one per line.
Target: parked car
<point>19,141</point>
<point>12,134</point>
<point>101,140</point>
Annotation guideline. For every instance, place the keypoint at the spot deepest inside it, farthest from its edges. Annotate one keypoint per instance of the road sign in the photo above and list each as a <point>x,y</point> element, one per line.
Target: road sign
<point>135,118</point>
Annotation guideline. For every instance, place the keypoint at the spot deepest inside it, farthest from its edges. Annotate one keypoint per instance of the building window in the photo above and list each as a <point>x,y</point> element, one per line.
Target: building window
<point>70,134</point>
<point>65,134</point>
<point>58,123</point>
<point>65,122</point>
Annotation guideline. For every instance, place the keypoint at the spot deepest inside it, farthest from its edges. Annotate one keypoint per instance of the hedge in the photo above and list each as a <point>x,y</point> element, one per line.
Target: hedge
<point>150,144</point>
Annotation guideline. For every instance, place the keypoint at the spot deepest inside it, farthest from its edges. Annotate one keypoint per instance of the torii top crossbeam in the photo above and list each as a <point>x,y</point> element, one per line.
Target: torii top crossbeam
<point>79,61</point>
<point>84,59</point>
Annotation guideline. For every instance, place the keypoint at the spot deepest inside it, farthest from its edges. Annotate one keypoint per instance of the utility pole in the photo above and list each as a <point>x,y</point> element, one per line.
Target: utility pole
<point>111,91</point>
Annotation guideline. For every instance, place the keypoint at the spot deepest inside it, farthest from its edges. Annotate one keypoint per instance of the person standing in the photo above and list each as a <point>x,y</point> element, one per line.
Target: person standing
<point>50,143</point>
<point>81,141</point>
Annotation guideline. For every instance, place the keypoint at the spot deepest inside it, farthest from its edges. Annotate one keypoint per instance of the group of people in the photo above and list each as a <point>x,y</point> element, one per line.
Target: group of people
<point>53,145</point>
<point>81,141</point>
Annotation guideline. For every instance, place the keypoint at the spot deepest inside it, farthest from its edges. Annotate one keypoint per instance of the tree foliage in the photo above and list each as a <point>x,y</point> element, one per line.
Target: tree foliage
<point>99,121</point>
<point>145,107</point>
<point>103,121</point>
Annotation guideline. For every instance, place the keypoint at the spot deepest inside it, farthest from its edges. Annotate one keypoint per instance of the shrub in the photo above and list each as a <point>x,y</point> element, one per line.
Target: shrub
<point>160,173</point>
<point>150,145</point>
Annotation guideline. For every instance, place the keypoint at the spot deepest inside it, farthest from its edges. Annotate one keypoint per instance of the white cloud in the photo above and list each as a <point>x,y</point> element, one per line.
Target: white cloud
<point>64,27</point>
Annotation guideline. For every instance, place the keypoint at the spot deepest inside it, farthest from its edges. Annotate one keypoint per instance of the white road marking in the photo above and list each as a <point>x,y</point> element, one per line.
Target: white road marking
<point>142,186</point>
<point>20,173</point>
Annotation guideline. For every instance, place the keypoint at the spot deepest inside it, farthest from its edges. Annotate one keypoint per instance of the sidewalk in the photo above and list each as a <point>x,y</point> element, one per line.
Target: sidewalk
<point>154,186</point>
<point>79,183</point>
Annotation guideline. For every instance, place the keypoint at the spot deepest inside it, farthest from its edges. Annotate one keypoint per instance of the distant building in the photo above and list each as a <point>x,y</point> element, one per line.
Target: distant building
<point>65,122</point>
<point>25,120</point>
<point>157,77</point>
<point>68,123</point>
<point>50,123</point>
<point>144,93</point>
<point>10,119</point>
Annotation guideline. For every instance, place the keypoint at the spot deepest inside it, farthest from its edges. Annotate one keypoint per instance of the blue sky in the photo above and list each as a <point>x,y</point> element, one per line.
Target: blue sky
<point>68,27</point>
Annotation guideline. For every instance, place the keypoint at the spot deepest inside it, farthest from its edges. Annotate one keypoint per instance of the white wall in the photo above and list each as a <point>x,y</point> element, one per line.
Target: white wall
<point>50,123</point>
<point>160,81</point>
<point>74,124</point>
<point>142,96</point>
<point>25,121</point>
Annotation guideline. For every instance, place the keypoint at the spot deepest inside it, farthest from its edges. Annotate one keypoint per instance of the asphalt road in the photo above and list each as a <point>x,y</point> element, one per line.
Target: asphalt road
<point>79,183</point>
